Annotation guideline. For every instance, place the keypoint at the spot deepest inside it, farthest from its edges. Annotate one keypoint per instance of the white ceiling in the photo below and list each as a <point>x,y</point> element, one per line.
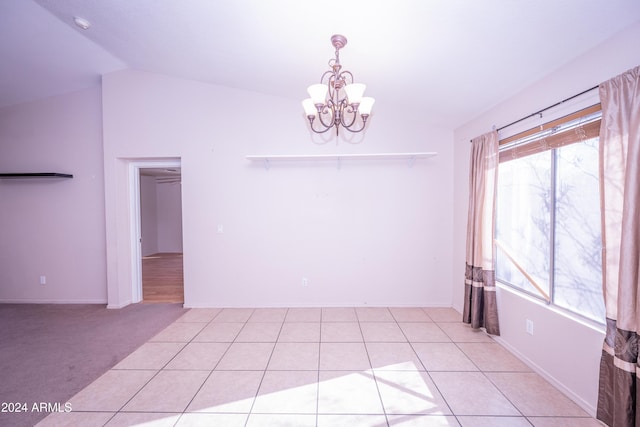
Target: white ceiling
<point>444,60</point>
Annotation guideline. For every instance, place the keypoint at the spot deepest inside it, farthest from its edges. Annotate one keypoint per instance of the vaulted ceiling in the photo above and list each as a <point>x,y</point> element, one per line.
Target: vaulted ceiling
<point>442,61</point>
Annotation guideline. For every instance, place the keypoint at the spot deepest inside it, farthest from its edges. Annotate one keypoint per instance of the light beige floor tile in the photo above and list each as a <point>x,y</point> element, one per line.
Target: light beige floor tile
<point>259,332</point>
<point>169,391</point>
<point>409,314</point>
<point>303,315</point>
<point>179,332</point>
<point>470,421</point>
<point>281,420</point>
<point>424,332</point>
<point>111,391</point>
<point>493,357</point>
<point>75,419</point>
<point>246,356</point>
<point>268,315</point>
<point>348,392</point>
<point>300,332</point>
<point>382,332</point>
<point>227,391</point>
<point>294,356</point>
<point>534,396</point>
<point>151,355</point>
<point>234,315</point>
<point>443,356</point>
<point>374,314</point>
<point>341,332</point>
<point>339,314</point>
<point>146,419</point>
<point>471,393</point>
<point>199,420</point>
<point>461,332</point>
<point>287,392</point>
<point>343,356</point>
<point>422,421</point>
<point>219,332</point>
<point>352,420</point>
<point>564,422</point>
<point>393,357</point>
<point>202,356</point>
<point>443,314</point>
<point>199,315</point>
<point>410,392</point>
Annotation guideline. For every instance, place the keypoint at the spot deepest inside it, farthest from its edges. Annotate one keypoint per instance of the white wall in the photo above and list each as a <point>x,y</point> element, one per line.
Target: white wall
<point>169,208</point>
<point>53,227</point>
<point>567,352</point>
<point>374,233</point>
<point>160,216</point>
<point>148,215</point>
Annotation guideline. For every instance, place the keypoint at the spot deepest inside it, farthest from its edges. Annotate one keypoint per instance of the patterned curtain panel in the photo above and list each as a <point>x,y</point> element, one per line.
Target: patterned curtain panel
<point>480,306</point>
<point>620,206</point>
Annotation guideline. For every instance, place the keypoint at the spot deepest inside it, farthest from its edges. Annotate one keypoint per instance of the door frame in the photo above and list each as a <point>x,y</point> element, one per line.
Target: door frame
<point>136,220</point>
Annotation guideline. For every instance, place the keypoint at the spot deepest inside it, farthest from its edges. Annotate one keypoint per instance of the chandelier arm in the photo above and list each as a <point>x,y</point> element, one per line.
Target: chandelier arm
<point>330,107</point>
<point>333,91</point>
<point>350,128</point>
<point>326,128</point>
<point>349,110</point>
<point>330,73</point>
<point>346,72</point>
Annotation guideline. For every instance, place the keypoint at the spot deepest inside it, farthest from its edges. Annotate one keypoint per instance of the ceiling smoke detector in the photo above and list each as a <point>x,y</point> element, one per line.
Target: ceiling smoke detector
<point>81,22</point>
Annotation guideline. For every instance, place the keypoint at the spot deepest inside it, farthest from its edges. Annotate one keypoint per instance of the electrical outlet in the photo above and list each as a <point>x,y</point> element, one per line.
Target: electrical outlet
<point>305,281</point>
<point>529,326</point>
<point>43,280</point>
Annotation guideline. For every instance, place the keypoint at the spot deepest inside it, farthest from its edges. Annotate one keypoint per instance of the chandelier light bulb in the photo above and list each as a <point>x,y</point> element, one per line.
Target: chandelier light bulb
<point>366,104</point>
<point>318,93</point>
<point>310,109</point>
<point>355,91</point>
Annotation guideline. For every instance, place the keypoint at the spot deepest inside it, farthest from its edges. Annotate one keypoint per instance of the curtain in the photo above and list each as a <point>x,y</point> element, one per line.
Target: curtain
<point>480,305</point>
<point>620,207</point>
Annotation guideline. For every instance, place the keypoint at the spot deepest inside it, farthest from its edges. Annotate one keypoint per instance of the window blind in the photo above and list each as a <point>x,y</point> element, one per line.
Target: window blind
<point>579,126</point>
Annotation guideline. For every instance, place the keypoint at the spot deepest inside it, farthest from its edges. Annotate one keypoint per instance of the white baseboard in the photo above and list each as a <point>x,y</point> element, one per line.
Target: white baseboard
<point>118,306</point>
<point>590,409</point>
<point>51,301</point>
<point>317,306</point>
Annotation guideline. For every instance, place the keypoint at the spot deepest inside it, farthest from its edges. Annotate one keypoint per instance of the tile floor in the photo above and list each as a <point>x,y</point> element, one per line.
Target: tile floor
<point>321,367</point>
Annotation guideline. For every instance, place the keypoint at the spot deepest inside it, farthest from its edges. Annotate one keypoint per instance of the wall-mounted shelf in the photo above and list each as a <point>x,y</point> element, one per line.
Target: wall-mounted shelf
<point>411,157</point>
<point>35,175</point>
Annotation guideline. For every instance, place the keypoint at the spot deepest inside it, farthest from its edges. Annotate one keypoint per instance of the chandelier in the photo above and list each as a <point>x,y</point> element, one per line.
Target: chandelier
<point>337,101</point>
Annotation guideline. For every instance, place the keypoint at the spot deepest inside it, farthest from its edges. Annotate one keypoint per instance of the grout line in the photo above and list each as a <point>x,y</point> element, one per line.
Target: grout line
<point>373,374</point>
<point>318,372</point>
<point>264,372</point>
<point>211,371</point>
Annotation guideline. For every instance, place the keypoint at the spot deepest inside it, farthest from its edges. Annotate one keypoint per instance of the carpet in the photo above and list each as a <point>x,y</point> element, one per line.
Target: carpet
<point>49,352</point>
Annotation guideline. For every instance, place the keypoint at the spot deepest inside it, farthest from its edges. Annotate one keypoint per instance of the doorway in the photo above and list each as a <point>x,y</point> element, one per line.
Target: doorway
<point>157,246</point>
<point>161,234</point>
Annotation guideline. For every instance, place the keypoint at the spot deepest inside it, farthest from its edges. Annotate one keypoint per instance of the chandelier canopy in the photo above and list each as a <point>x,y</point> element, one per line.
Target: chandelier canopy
<point>337,101</point>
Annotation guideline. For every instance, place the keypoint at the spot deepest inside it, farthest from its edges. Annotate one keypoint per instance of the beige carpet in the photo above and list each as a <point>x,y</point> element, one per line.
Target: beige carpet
<point>50,352</point>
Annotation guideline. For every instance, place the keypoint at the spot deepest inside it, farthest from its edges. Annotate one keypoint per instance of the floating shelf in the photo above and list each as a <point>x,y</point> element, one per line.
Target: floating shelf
<point>35,175</point>
<point>411,157</point>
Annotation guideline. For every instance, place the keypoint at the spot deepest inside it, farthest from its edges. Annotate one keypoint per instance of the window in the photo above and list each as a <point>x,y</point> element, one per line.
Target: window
<point>548,214</point>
